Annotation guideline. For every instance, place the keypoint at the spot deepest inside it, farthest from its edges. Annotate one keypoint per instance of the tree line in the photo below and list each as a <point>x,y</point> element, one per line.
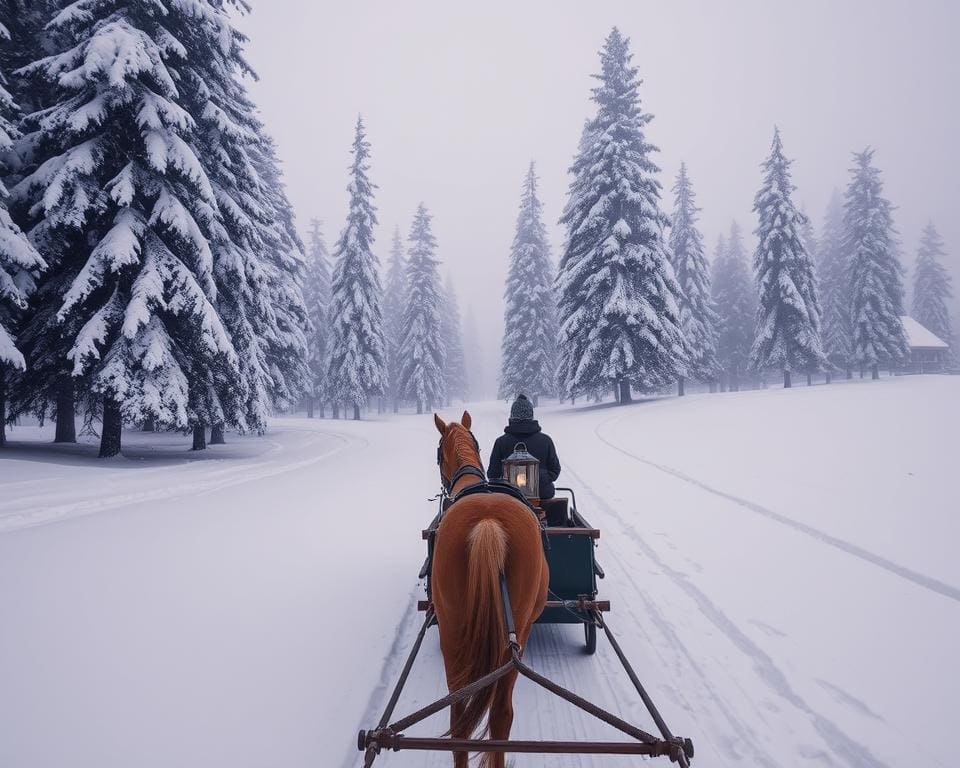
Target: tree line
<point>635,306</point>
<point>371,344</point>
<point>150,267</point>
<point>151,272</point>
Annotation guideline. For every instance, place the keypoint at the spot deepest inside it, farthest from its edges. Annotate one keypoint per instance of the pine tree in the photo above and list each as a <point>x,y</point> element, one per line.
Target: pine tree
<point>394,302</point>
<point>697,317</point>
<point>422,355</point>
<point>735,301</point>
<point>283,326</point>
<point>455,369</point>
<point>357,358</point>
<point>25,36</point>
<point>20,264</point>
<point>812,247</point>
<point>618,298</point>
<point>832,270</point>
<point>258,257</point>
<point>809,238</point>
<point>124,210</point>
<point>26,21</point>
<point>932,288</point>
<point>788,325</point>
<point>317,295</point>
<point>876,276</point>
<point>529,349</point>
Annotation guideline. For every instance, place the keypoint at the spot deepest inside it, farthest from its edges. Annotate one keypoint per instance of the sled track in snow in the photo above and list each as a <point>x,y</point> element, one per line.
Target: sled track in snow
<point>392,663</point>
<point>843,747</point>
<point>554,650</point>
<point>921,580</point>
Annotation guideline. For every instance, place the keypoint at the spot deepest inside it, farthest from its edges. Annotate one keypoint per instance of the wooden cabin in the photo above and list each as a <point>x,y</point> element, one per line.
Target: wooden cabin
<point>928,352</point>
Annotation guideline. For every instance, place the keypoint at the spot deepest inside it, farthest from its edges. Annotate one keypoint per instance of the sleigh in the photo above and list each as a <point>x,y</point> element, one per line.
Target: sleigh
<point>569,544</point>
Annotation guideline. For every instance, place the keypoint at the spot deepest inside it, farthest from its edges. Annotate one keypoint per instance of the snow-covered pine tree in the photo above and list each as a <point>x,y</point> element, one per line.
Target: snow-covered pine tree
<point>20,263</point>
<point>529,348</point>
<point>394,302</point>
<point>697,317</point>
<point>809,238</point>
<point>455,369</point>
<point>876,276</point>
<point>229,131</point>
<point>735,301</point>
<point>357,369</point>
<point>834,280</point>
<point>719,254</point>
<point>422,355</point>
<point>26,22</point>
<point>258,257</point>
<point>123,210</point>
<point>283,261</point>
<point>932,288</point>
<point>618,297</point>
<point>316,293</point>
<point>788,323</point>
<point>25,38</point>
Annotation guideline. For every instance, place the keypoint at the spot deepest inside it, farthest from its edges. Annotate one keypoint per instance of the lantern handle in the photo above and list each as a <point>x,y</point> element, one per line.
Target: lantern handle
<point>518,446</point>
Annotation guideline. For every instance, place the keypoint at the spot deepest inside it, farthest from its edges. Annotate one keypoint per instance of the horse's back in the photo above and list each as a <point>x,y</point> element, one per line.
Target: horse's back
<point>519,522</point>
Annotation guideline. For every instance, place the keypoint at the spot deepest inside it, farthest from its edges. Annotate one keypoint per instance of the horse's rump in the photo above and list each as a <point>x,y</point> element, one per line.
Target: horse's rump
<point>480,538</point>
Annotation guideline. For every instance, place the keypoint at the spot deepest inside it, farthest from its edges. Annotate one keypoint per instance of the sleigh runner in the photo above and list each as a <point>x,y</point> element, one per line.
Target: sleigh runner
<point>569,544</point>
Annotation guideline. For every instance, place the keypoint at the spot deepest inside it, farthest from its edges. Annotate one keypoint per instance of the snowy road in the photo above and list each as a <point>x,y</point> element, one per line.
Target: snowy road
<point>788,602</point>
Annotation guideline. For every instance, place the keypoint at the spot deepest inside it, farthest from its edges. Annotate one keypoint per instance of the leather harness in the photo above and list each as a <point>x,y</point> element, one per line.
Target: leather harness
<point>485,486</point>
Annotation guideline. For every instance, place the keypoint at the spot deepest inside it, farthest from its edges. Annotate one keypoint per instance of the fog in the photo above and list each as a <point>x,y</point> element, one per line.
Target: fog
<point>458,100</point>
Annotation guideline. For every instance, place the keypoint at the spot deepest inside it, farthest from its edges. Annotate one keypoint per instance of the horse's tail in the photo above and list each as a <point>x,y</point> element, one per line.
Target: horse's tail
<point>484,640</point>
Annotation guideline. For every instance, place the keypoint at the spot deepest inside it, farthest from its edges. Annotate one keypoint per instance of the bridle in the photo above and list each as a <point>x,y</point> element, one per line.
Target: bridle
<point>463,471</point>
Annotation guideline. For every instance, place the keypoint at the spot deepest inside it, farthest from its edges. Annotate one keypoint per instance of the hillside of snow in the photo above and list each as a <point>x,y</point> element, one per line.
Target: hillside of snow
<point>780,565</point>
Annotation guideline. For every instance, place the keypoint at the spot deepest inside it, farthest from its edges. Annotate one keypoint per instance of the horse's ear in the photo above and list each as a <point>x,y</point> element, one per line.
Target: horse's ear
<point>466,420</point>
<point>441,427</point>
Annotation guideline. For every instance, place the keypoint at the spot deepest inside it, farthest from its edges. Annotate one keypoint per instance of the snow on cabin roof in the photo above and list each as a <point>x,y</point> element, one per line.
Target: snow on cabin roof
<point>920,337</point>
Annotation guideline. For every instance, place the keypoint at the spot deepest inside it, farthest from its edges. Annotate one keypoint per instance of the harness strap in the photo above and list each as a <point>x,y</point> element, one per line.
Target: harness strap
<point>497,486</point>
<point>494,486</point>
<point>467,469</point>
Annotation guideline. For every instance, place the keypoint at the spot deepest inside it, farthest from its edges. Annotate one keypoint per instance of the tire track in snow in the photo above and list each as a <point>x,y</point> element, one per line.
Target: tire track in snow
<point>843,747</point>
<point>921,580</point>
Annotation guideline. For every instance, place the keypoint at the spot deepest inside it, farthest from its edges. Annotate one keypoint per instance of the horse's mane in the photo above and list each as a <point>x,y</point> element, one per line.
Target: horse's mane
<point>465,450</point>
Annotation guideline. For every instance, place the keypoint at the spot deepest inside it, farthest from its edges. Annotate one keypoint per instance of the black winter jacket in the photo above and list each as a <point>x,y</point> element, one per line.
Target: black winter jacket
<point>537,442</point>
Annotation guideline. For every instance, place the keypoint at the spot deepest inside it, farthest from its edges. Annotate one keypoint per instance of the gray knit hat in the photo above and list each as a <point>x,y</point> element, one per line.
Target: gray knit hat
<point>522,409</point>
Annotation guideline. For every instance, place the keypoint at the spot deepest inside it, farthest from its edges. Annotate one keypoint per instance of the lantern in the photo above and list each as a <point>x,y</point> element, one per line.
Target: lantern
<point>522,469</point>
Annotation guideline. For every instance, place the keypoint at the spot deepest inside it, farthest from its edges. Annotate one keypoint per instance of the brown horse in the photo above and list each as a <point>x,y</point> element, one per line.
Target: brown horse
<point>480,537</point>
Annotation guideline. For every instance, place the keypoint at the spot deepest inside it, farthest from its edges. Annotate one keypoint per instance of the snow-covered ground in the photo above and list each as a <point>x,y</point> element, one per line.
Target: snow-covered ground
<point>781,567</point>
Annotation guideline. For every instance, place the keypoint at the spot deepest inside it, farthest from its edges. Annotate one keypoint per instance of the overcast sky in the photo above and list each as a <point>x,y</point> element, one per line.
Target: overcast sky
<point>459,99</point>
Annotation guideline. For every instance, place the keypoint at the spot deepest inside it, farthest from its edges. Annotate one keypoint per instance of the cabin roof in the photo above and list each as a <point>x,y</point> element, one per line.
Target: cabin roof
<point>920,337</point>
